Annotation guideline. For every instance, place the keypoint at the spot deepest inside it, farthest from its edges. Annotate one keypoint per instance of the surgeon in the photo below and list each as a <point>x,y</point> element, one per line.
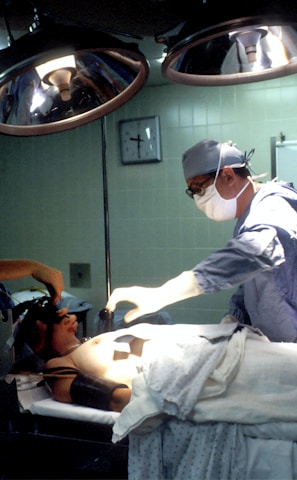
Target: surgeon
<point>260,259</point>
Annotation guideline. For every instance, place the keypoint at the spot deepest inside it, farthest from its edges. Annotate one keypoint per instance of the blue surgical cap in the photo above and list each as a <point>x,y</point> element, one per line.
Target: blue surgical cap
<point>204,158</point>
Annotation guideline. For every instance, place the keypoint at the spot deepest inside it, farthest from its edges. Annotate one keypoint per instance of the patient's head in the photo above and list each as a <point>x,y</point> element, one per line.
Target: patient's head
<point>63,335</point>
<point>44,333</point>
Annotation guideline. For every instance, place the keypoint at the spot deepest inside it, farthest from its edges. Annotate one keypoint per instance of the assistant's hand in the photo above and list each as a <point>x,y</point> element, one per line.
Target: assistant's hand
<point>51,278</point>
<point>148,300</point>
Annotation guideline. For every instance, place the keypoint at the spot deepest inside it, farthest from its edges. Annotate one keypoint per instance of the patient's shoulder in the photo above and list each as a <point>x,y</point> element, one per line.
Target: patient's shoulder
<point>58,362</point>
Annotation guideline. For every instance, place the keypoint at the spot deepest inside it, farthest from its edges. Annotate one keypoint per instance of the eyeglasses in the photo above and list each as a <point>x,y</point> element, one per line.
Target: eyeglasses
<point>197,188</point>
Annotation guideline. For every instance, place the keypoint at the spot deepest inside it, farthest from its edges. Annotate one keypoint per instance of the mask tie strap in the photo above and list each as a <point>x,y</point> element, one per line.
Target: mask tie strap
<point>243,189</point>
<point>220,162</point>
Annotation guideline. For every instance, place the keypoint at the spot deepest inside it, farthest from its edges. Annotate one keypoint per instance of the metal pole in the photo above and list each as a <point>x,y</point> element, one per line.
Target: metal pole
<point>105,208</point>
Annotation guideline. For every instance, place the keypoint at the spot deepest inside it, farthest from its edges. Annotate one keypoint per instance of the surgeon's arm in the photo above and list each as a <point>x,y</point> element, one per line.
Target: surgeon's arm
<point>148,300</point>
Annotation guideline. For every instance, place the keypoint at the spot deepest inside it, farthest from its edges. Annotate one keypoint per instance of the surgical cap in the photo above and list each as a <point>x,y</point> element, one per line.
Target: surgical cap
<point>204,158</point>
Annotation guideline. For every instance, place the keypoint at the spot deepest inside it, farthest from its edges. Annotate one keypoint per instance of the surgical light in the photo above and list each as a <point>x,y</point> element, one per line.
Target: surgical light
<point>250,40</point>
<point>58,72</point>
<point>57,77</point>
<point>231,50</point>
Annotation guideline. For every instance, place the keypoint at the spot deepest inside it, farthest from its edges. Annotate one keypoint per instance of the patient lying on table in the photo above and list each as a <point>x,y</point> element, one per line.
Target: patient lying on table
<point>105,372</point>
<point>178,363</point>
<point>97,372</point>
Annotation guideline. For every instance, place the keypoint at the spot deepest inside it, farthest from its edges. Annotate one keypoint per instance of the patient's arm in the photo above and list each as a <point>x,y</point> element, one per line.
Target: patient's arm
<point>62,390</point>
<point>119,399</point>
<point>96,379</point>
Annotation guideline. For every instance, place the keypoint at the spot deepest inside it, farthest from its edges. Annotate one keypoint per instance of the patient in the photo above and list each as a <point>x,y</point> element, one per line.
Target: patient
<point>96,372</point>
<point>99,372</point>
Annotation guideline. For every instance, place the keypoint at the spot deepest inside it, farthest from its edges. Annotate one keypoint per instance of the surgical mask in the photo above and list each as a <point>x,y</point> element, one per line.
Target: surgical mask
<point>212,203</point>
<point>215,206</point>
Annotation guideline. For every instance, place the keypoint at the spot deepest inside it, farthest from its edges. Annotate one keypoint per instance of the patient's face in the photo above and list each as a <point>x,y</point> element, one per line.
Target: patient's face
<point>67,326</point>
<point>64,333</point>
<point>61,334</point>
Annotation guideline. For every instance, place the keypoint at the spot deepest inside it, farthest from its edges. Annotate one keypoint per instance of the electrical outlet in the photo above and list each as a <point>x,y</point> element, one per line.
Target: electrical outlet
<point>80,275</point>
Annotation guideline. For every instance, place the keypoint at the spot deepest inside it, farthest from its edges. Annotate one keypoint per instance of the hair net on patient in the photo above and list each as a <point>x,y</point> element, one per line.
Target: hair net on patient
<point>204,158</point>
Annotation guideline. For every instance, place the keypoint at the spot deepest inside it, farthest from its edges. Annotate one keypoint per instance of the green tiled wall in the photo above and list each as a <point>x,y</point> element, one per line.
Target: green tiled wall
<point>52,199</point>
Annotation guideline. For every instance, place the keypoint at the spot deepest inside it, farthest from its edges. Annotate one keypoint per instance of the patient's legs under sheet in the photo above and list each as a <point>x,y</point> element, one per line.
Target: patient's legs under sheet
<point>265,383</point>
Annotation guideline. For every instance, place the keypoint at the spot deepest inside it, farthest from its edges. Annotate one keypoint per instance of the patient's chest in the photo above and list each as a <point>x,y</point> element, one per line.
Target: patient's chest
<point>104,357</point>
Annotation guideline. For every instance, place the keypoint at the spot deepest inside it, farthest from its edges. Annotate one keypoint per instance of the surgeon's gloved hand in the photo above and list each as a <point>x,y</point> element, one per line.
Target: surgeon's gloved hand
<point>150,300</point>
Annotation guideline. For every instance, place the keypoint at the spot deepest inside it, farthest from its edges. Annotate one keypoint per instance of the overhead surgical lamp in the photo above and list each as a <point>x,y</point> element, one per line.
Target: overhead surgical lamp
<point>97,74</point>
<point>241,50</point>
<point>58,72</point>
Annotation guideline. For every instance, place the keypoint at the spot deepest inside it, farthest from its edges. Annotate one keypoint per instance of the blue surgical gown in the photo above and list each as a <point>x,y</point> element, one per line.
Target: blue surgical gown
<point>261,260</point>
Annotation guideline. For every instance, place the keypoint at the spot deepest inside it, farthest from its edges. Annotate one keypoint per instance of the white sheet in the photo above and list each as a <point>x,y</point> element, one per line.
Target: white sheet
<point>51,408</point>
<point>252,428</point>
<point>263,390</point>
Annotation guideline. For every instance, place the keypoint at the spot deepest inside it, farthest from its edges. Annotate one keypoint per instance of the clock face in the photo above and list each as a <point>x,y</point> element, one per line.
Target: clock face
<point>140,140</point>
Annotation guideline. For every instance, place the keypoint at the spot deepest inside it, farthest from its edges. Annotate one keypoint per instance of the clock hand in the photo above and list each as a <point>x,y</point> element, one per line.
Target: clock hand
<point>138,140</point>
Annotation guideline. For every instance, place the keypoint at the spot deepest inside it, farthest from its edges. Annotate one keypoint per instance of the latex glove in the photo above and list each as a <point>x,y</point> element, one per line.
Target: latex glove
<point>150,300</point>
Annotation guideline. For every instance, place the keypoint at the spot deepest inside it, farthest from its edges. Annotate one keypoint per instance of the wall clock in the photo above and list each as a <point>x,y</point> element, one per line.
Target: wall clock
<point>140,140</point>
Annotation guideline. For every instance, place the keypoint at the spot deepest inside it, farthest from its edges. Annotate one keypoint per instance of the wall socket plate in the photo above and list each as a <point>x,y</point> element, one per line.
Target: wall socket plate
<point>80,275</point>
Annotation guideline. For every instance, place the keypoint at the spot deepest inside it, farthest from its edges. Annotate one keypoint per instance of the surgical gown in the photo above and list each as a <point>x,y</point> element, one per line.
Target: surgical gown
<point>261,260</point>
